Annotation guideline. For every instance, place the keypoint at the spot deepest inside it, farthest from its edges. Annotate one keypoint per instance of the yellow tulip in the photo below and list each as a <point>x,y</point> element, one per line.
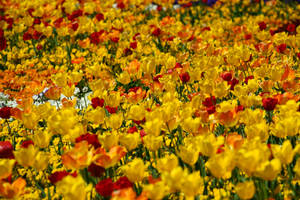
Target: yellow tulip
<point>220,90</point>
<point>188,154</point>
<point>250,117</point>
<point>109,140</point>
<point>30,120</point>
<point>248,160</point>
<point>41,139</point>
<point>153,127</point>
<point>297,168</point>
<point>269,169</point>
<point>76,76</point>
<point>130,141</point>
<point>209,144</point>
<point>192,185</point>
<point>72,188</point>
<point>135,170</point>
<point>124,78</point>
<point>221,165</point>
<point>245,190</point>
<point>167,163</point>
<point>68,91</point>
<point>60,79</point>
<point>251,155</point>
<point>41,161</point>
<point>6,166</point>
<point>115,120</point>
<point>136,112</point>
<point>26,156</point>
<point>259,130</point>
<point>113,99</point>
<point>288,126</point>
<point>284,153</point>
<point>63,121</point>
<point>192,125</point>
<point>153,142</point>
<point>43,110</point>
<point>174,178</point>
<point>156,191</point>
<point>96,116</point>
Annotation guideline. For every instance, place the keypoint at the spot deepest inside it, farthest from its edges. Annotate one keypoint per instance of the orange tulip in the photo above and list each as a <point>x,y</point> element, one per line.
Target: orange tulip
<point>234,140</point>
<point>13,190</point>
<point>79,157</point>
<point>53,93</point>
<point>68,103</point>
<point>124,194</point>
<point>133,67</point>
<point>227,118</point>
<point>77,60</point>
<point>108,159</point>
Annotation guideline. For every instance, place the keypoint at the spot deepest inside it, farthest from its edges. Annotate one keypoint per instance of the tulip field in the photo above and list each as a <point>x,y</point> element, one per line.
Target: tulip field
<point>150,99</point>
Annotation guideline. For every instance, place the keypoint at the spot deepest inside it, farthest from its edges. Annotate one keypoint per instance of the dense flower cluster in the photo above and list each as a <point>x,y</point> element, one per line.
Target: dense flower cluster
<point>149,99</point>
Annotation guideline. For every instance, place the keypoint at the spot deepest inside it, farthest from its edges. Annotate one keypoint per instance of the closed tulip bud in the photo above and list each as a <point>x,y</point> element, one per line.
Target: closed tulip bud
<point>6,166</point>
<point>130,141</point>
<point>30,120</point>
<point>153,127</point>
<point>245,190</point>
<point>284,153</point>
<point>269,103</point>
<point>136,112</point>
<point>188,154</point>
<point>115,120</point>
<point>41,161</point>
<point>5,112</point>
<point>96,116</point>
<point>167,163</point>
<point>108,140</point>
<point>42,139</point>
<point>152,142</point>
<point>124,78</point>
<point>184,77</point>
<point>113,99</point>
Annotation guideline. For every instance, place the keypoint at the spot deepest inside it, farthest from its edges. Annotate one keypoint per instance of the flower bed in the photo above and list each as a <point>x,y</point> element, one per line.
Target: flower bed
<point>140,99</point>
